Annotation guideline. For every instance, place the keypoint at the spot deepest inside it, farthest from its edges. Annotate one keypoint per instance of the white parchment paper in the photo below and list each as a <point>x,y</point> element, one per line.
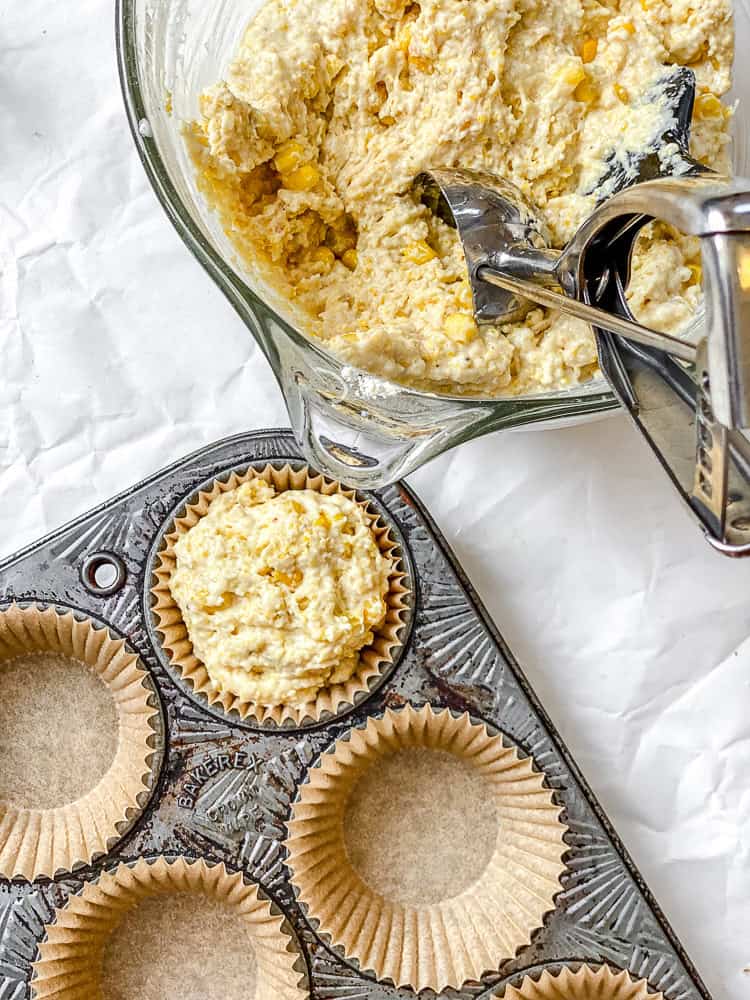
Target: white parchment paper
<point>118,355</point>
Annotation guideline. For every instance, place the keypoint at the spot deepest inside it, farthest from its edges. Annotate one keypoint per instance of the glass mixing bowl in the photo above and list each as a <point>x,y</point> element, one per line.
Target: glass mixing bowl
<point>357,428</point>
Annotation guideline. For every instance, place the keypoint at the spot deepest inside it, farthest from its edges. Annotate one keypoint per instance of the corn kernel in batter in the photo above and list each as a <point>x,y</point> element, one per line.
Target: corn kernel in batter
<point>280,591</point>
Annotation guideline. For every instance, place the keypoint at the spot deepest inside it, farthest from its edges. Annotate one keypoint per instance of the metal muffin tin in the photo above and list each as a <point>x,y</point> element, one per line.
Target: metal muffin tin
<point>226,789</point>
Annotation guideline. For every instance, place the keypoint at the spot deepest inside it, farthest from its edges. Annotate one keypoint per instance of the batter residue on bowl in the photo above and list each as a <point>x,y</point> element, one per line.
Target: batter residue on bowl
<point>309,146</point>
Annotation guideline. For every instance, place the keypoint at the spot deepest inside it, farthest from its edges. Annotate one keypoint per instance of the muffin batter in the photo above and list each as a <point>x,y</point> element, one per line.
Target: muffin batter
<point>280,592</point>
<point>308,149</point>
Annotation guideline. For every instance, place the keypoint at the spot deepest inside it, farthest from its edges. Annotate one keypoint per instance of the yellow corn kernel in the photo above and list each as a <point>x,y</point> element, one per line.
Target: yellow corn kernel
<point>585,92</point>
<point>420,63</point>
<point>226,601</point>
<point>377,40</point>
<point>349,259</point>
<point>404,39</point>
<point>460,328</point>
<point>574,74</point>
<point>341,235</point>
<point>297,507</point>
<point>412,12</point>
<point>645,5</point>
<point>708,106</point>
<point>621,93</point>
<point>342,223</point>
<point>304,178</point>
<point>588,50</point>
<point>465,297</point>
<point>696,55</point>
<point>289,157</point>
<point>627,26</point>
<point>323,257</point>
<point>696,274</point>
<point>419,253</point>
<point>252,188</point>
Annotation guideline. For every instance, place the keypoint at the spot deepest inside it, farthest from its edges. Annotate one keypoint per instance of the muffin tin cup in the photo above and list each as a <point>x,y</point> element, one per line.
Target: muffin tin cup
<point>69,962</point>
<point>441,944</point>
<point>37,843</point>
<point>582,983</point>
<point>376,660</point>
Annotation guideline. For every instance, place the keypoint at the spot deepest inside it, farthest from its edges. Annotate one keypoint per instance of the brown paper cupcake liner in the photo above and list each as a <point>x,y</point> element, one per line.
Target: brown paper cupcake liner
<point>440,944</point>
<point>44,842</point>
<point>69,963</point>
<point>375,660</point>
<point>584,983</point>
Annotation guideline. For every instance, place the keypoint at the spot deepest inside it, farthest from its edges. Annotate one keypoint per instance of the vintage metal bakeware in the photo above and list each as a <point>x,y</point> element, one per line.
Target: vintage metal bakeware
<point>226,788</point>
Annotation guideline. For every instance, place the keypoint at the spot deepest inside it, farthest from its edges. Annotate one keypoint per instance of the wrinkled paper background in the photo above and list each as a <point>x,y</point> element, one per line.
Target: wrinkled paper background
<point>118,355</point>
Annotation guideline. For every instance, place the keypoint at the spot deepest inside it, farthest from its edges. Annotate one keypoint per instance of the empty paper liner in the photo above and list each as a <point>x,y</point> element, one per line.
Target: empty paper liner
<point>104,941</point>
<point>468,926</point>
<point>80,741</point>
<point>585,983</point>
<point>375,660</point>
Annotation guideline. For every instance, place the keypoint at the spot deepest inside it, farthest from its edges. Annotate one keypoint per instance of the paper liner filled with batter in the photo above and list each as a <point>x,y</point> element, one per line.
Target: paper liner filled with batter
<point>584,983</point>
<point>374,659</point>
<point>71,962</point>
<point>37,842</point>
<point>447,941</point>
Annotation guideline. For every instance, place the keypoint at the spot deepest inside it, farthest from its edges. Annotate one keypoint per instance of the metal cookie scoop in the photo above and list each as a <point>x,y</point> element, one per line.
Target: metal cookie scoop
<point>511,266</point>
<point>689,400</point>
